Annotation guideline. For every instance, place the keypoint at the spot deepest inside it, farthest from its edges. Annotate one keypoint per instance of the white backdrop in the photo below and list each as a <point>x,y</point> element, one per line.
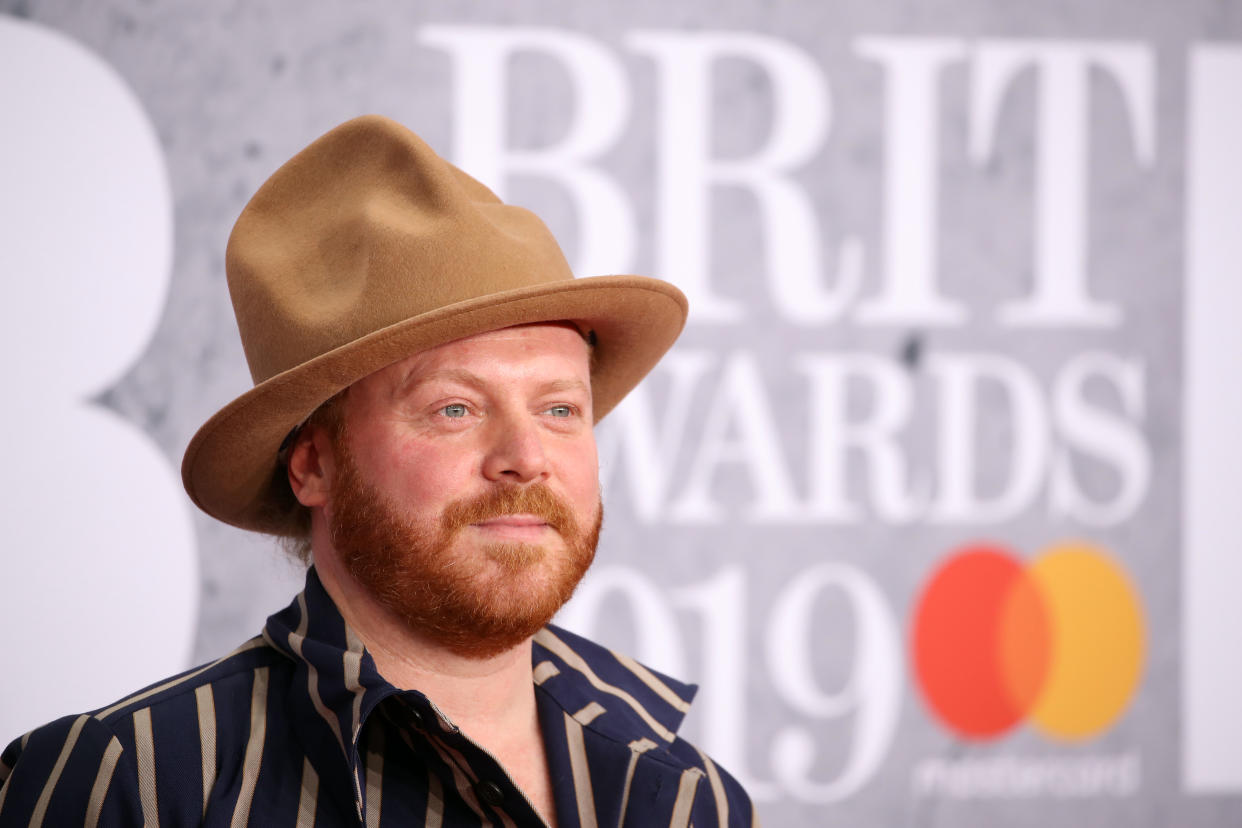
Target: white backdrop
<point>933,497</point>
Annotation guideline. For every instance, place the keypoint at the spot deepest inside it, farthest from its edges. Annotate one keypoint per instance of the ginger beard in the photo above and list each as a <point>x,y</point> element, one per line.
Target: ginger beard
<point>474,600</point>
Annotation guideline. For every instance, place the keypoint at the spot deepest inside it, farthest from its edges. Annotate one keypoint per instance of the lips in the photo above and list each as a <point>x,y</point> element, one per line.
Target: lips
<point>516,526</point>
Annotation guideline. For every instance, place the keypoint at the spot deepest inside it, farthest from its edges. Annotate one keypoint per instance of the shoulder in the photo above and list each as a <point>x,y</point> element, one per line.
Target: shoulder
<point>78,767</point>
<point>236,667</point>
<point>60,773</point>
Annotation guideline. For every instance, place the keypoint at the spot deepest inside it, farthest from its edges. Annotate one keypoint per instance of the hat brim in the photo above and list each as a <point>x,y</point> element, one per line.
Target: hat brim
<point>229,464</point>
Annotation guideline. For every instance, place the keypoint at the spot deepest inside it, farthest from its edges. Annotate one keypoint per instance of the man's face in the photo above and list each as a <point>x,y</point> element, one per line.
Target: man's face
<point>466,492</point>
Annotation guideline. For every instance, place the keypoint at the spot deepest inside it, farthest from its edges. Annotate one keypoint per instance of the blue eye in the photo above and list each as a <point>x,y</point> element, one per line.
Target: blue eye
<point>560,411</point>
<point>454,410</point>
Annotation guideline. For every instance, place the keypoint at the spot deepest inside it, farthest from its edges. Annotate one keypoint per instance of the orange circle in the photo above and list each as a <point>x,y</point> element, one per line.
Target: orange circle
<point>1099,640</point>
<point>1060,641</point>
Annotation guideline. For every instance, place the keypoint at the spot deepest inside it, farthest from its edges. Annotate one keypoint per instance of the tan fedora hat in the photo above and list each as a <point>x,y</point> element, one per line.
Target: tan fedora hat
<point>367,247</point>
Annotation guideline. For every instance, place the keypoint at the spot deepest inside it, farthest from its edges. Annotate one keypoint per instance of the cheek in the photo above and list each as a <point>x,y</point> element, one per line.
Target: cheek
<point>421,476</point>
<point>580,472</point>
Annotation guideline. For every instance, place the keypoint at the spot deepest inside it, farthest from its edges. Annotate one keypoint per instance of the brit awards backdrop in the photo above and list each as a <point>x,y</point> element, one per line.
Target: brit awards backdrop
<point>937,496</point>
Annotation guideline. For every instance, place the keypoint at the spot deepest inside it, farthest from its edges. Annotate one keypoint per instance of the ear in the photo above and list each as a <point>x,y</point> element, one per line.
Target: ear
<point>312,466</point>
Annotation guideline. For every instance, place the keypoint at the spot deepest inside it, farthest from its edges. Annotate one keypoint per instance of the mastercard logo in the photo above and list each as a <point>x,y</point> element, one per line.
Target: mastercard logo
<point>1058,642</point>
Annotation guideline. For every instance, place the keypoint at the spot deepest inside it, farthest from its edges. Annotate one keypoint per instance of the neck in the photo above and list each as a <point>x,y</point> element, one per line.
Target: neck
<point>491,699</point>
<point>475,693</point>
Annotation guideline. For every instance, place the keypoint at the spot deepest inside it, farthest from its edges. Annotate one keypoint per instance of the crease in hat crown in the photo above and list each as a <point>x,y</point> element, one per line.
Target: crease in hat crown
<point>367,247</point>
<point>322,256</point>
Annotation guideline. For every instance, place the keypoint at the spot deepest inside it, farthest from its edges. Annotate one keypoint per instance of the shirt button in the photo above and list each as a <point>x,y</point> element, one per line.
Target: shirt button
<point>491,793</point>
<point>421,719</point>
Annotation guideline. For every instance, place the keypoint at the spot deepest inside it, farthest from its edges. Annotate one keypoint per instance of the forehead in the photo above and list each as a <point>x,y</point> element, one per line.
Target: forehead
<point>508,353</point>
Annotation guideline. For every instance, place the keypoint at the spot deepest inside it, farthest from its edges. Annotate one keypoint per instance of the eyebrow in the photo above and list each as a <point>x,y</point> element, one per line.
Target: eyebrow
<point>459,375</point>
<point>565,385</point>
<point>473,380</point>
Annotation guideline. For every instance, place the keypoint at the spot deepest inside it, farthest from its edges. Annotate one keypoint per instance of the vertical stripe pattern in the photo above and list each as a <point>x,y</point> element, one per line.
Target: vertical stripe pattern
<point>581,773</point>
<point>296,727</point>
<point>637,749</point>
<point>463,784</point>
<point>353,672</point>
<point>434,817</point>
<point>172,684</point>
<point>296,640</point>
<point>685,798</point>
<point>718,791</point>
<point>144,753</point>
<point>375,778</point>
<point>309,797</point>
<point>556,645</point>
<point>46,795</point>
<point>103,778</point>
<point>648,678</point>
<point>252,763</point>
<point>206,706</point>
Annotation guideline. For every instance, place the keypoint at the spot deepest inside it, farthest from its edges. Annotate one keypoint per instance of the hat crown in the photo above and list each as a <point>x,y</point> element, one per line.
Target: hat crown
<point>366,228</point>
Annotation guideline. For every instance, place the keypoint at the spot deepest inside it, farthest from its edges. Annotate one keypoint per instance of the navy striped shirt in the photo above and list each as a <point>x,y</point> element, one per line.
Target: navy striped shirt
<point>296,727</point>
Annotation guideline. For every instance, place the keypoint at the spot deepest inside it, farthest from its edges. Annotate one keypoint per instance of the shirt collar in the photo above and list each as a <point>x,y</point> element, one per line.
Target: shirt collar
<point>580,675</point>
<point>336,684</point>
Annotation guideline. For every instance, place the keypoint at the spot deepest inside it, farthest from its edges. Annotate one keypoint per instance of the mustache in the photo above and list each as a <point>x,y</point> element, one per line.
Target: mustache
<point>536,499</point>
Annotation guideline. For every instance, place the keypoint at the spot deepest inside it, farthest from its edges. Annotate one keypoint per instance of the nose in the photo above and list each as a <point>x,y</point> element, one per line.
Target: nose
<point>515,452</point>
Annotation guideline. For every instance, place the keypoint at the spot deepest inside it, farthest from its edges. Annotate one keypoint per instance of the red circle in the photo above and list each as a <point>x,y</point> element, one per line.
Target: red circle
<point>964,641</point>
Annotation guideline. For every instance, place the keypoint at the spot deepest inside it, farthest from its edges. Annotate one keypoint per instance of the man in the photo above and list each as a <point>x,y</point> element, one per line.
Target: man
<point>427,377</point>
